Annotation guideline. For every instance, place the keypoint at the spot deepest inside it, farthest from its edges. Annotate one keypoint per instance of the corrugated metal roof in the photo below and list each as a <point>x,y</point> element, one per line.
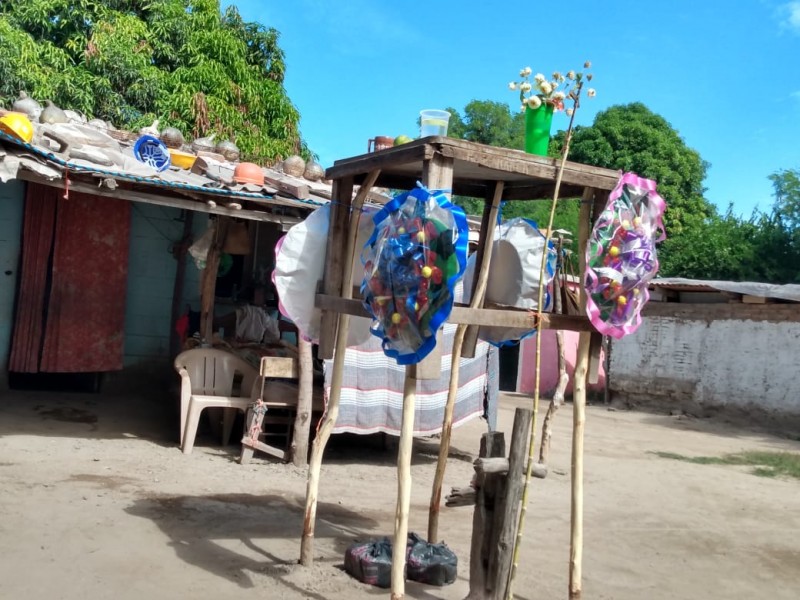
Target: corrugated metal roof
<point>790,292</point>
<point>41,157</point>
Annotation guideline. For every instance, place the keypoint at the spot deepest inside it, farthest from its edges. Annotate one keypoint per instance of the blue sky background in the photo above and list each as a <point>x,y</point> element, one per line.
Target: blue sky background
<point>724,73</point>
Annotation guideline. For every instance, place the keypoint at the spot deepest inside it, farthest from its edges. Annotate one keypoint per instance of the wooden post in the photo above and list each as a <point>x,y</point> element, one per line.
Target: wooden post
<point>478,292</point>
<point>507,515</point>
<point>209,281</point>
<point>340,237</point>
<point>342,195</point>
<point>576,512</point>
<point>492,445</point>
<point>305,395</point>
<point>488,224</point>
<point>403,487</point>
<point>563,377</point>
<point>180,250</point>
<point>579,416</point>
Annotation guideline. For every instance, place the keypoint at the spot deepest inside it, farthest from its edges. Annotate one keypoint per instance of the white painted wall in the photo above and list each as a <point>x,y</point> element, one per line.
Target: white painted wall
<point>713,364</point>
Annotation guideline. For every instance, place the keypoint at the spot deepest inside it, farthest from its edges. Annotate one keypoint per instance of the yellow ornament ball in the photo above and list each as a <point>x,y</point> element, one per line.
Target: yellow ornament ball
<point>396,318</point>
<point>427,272</point>
<point>622,300</point>
<point>421,236</point>
<point>613,251</point>
<point>637,221</point>
<point>635,291</point>
<point>401,230</point>
<point>626,224</point>
<point>416,305</point>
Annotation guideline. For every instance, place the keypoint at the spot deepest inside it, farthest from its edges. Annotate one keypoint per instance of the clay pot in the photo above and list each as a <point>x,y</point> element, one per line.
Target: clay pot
<point>172,138</point>
<point>314,171</point>
<point>229,150</point>
<point>26,105</point>
<point>294,166</point>
<point>203,144</point>
<point>247,172</point>
<point>52,114</point>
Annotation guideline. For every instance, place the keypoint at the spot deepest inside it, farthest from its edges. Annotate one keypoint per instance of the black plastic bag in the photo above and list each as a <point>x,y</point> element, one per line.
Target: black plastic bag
<point>370,562</point>
<point>434,564</point>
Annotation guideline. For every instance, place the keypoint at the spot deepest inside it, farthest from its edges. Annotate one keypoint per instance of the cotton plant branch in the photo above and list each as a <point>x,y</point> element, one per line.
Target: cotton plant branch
<point>573,95</point>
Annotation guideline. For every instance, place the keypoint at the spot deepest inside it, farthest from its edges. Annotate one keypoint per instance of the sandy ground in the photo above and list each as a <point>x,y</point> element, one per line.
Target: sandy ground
<point>96,501</point>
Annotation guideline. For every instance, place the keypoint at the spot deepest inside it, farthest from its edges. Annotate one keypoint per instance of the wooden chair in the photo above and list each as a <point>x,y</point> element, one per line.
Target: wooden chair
<point>207,381</point>
<point>277,392</point>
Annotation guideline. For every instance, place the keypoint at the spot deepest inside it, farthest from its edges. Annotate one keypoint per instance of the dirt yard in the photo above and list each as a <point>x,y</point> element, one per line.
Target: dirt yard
<point>96,501</point>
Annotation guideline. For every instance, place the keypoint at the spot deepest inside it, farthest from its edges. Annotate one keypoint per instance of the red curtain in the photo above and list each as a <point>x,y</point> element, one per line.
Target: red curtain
<point>84,307</point>
<point>37,245</point>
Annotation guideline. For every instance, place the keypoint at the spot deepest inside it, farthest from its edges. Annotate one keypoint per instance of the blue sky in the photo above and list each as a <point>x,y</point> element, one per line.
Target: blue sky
<point>724,73</point>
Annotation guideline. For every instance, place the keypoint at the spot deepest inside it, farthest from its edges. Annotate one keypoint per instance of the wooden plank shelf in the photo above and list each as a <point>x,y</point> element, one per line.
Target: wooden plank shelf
<point>476,169</point>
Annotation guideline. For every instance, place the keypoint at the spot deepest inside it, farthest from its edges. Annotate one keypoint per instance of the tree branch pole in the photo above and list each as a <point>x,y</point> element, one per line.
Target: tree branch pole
<point>332,412</point>
<point>403,486</point>
<point>536,393</point>
<point>579,418</point>
<point>480,282</point>
<point>563,377</point>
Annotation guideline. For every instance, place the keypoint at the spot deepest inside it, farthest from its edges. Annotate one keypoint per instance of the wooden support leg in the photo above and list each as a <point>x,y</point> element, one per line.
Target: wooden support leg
<point>403,488</point>
<point>578,422</point>
<point>305,394</point>
<point>332,412</point>
<point>479,290</point>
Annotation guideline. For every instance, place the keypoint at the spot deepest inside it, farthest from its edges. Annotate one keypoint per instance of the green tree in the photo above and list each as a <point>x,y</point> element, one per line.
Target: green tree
<point>129,61</point>
<point>633,138</point>
<point>786,185</point>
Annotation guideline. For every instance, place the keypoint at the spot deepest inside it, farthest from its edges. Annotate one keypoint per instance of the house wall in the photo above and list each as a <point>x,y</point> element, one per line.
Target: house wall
<point>151,277</point>
<point>704,365</point>
<point>12,196</point>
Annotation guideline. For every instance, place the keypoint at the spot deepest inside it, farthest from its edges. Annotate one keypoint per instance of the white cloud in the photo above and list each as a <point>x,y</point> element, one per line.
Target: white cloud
<point>790,16</point>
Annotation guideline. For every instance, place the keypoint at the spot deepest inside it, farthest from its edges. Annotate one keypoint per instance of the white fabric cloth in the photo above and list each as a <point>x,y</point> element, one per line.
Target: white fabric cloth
<point>253,324</point>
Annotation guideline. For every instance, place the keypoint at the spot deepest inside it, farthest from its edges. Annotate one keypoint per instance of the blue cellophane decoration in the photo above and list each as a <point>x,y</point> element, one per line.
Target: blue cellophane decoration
<point>412,262</point>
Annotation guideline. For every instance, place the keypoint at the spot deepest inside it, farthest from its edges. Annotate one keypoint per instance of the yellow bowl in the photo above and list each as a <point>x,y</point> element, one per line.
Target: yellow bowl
<point>184,160</point>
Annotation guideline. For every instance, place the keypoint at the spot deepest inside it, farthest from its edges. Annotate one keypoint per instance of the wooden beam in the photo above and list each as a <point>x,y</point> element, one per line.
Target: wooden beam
<point>208,284</point>
<point>508,505</point>
<point>493,444</point>
<point>305,403</point>
<point>437,174</point>
<point>416,151</point>
<point>501,465</point>
<point>488,225</point>
<point>334,261</point>
<point>484,317</point>
<point>121,193</point>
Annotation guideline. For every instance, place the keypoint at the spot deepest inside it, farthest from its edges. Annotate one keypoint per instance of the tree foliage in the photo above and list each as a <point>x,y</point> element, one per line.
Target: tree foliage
<point>702,243</point>
<point>129,62</point>
<point>632,138</point>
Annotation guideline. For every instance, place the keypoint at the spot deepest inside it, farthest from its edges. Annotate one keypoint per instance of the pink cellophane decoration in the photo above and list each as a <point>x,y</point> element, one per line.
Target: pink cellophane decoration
<point>621,256</point>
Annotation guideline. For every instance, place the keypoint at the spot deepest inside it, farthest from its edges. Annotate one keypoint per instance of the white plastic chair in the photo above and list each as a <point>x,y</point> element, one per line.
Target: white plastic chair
<point>207,378</point>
